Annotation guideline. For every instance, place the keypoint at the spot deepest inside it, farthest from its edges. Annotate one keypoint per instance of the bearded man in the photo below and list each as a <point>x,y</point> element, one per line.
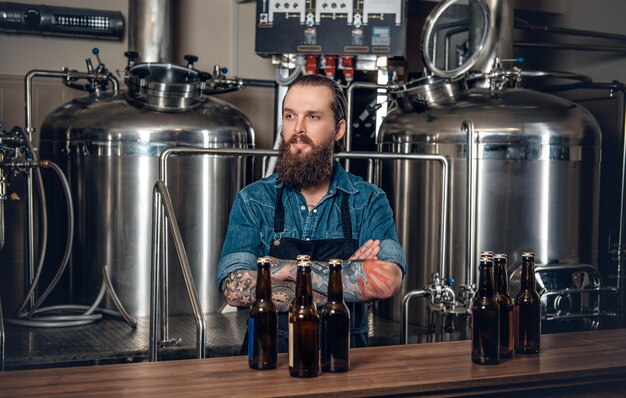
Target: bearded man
<point>311,205</point>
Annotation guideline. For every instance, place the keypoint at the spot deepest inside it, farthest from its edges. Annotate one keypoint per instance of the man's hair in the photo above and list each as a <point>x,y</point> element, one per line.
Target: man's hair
<point>338,102</point>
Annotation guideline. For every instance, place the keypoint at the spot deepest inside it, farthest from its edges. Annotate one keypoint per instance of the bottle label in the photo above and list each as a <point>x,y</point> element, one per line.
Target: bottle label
<point>291,345</point>
<point>250,338</point>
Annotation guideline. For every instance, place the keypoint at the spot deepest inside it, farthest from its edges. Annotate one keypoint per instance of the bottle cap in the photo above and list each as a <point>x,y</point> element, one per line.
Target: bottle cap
<point>263,260</point>
<point>334,262</point>
<point>304,264</point>
<point>303,257</point>
<point>528,254</point>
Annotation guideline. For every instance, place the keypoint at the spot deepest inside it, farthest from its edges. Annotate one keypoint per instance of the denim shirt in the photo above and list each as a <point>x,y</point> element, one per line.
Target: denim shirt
<point>251,225</point>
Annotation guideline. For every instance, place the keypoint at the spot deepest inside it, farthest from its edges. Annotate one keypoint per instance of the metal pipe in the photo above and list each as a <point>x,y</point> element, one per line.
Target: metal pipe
<point>154,275</point>
<point>468,126</point>
<point>344,155</point>
<point>268,152</point>
<point>576,47</point>
<point>568,31</point>
<point>161,189</point>
<point>405,314</point>
<point>150,30</point>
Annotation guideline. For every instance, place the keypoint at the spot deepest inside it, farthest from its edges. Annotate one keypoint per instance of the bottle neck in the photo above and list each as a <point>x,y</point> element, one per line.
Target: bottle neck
<point>502,284</point>
<point>304,291</point>
<point>485,282</point>
<point>528,275</point>
<point>263,283</point>
<point>335,285</point>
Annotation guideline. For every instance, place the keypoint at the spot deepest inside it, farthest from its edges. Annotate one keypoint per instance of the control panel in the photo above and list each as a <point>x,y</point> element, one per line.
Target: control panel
<point>60,21</point>
<point>340,27</point>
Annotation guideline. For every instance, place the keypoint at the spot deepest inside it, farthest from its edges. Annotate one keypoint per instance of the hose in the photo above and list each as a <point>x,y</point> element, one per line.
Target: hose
<point>78,314</point>
<point>70,234</point>
<point>75,318</point>
<point>44,225</point>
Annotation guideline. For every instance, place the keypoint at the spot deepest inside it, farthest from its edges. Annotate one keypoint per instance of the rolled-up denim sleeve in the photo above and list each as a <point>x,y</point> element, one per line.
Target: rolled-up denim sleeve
<point>242,245</point>
<point>379,224</point>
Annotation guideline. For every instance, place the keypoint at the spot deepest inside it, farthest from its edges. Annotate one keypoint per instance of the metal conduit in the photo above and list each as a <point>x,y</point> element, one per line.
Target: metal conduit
<point>161,201</point>
<point>472,176</point>
<point>162,197</point>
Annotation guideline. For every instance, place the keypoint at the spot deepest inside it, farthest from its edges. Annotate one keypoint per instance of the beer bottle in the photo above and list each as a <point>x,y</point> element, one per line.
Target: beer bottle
<point>263,322</point>
<point>527,309</point>
<point>304,322</point>
<point>485,318</point>
<point>335,319</point>
<point>506,303</point>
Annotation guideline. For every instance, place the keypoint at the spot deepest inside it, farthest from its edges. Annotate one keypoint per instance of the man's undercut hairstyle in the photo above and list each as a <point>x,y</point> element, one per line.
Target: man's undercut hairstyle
<point>338,102</point>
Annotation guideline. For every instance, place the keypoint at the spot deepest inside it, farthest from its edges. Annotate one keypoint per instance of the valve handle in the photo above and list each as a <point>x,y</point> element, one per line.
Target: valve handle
<point>191,59</point>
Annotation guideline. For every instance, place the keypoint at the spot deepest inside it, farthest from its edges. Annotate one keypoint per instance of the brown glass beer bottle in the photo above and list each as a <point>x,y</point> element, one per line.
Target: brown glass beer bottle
<point>485,318</point>
<point>528,310</point>
<point>507,305</point>
<point>304,322</point>
<point>335,320</point>
<point>263,322</point>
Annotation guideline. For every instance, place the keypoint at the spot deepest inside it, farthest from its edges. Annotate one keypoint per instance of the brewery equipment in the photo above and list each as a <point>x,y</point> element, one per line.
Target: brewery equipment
<point>109,146</point>
<point>531,178</point>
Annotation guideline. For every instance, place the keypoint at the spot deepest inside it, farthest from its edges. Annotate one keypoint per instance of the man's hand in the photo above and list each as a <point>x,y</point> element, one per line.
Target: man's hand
<point>368,251</point>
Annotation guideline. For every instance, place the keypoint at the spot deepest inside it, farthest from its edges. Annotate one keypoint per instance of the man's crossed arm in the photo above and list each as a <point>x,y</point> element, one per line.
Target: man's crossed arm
<point>365,278</point>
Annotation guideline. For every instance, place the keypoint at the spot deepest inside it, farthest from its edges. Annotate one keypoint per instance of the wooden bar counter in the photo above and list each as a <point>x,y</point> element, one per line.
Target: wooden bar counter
<point>570,364</point>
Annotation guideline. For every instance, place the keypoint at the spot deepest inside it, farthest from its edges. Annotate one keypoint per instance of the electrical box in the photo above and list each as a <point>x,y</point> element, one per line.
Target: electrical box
<point>60,21</point>
<point>340,27</point>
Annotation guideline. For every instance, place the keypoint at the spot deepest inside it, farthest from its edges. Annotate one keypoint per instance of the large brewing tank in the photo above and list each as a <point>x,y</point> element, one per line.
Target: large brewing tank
<point>109,146</point>
<point>538,163</point>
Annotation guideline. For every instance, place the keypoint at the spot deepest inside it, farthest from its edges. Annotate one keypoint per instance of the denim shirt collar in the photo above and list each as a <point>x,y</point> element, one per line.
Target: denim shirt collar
<point>339,181</point>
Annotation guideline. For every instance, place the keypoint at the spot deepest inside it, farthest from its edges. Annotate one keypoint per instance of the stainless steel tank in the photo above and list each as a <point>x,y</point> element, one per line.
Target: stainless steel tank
<point>536,157</point>
<point>109,146</point>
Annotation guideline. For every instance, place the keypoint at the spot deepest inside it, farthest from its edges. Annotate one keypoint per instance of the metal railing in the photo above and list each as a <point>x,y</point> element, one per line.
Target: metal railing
<point>162,200</point>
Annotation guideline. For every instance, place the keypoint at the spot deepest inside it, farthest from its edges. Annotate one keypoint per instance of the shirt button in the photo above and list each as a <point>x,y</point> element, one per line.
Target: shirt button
<point>307,239</point>
<point>303,208</point>
<point>315,211</point>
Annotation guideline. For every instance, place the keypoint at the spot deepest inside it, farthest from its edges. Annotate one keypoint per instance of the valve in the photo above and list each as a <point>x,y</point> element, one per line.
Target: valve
<point>329,65</point>
<point>347,65</point>
<point>132,57</point>
<point>191,59</point>
<point>310,65</point>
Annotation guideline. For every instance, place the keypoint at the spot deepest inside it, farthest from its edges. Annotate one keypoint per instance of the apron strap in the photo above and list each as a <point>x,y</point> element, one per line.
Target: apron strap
<point>279,212</point>
<point>346,221</point>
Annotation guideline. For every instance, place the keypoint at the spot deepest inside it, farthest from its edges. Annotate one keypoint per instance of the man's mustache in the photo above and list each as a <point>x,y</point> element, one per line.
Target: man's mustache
<point>302,137</point>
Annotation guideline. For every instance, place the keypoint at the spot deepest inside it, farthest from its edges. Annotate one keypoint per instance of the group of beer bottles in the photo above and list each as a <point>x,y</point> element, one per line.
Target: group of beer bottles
<point>501,326</point>
<point>316,341</point>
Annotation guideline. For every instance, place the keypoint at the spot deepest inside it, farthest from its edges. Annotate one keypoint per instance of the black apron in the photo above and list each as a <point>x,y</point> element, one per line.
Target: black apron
<point>319,250</point>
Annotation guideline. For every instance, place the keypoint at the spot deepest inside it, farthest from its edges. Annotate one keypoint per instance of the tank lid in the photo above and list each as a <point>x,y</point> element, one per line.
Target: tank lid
<point>455,29</point>
<point>164,87</point>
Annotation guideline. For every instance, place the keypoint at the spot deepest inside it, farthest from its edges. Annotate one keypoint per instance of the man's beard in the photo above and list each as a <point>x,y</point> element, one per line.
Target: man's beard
<point>303,170</point>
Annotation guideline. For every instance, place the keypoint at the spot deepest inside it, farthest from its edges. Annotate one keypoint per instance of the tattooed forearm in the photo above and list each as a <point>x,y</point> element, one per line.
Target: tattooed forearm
<point>239,288</point>
<point>369,280</point>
